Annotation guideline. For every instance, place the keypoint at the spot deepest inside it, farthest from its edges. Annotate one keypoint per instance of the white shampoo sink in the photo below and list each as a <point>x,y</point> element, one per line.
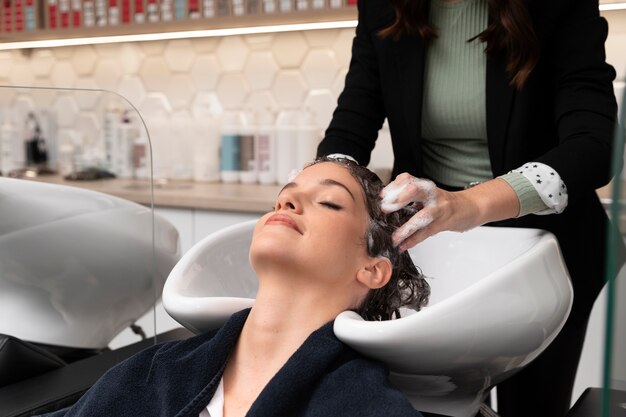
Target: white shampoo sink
<point>499,297</point>
<point>77,266</point>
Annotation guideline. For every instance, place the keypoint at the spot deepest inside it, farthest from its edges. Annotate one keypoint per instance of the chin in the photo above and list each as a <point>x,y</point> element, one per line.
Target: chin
<point>267,249</point>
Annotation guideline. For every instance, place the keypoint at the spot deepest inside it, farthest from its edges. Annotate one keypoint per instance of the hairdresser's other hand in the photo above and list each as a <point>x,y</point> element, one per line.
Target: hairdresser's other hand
<point>440,210</point>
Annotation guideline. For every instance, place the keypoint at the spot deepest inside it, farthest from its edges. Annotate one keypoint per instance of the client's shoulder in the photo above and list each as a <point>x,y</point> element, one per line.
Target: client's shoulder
<point>357,385</point>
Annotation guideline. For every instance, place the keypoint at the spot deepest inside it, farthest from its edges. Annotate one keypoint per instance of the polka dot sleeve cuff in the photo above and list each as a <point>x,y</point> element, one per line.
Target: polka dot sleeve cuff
<point>547,184</point>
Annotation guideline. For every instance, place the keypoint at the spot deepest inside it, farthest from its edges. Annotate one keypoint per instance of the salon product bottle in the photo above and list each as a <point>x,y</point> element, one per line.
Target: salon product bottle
<point>247,149</point>
<point>239,8</point>
<point>269,6</point>
<point>66,160</point>
<point>8,133</point>
<point>285,6</point>
<point>230,158</point>
<point>336,4</point>
<point>286,144</point>
<point>266,147</point>
<point>302,5</point>
<point>140,157</point>
<point>223,7</point>
<point>208,8</point>
<point>318,4</point>
<point>110,119</point>
<point>308,138</point>
<point>36,148</point>
<point>206,149</point>
<point>125,140</point>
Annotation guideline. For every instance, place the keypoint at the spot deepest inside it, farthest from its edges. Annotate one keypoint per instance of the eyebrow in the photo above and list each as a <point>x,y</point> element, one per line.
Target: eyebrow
<point>325,182</point>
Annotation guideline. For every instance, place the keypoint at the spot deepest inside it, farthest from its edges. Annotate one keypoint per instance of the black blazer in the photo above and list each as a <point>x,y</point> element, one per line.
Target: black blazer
<point>564,117</point>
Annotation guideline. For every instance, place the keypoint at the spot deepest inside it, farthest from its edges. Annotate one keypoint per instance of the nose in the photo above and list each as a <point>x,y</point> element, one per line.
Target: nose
<point>288,201</point>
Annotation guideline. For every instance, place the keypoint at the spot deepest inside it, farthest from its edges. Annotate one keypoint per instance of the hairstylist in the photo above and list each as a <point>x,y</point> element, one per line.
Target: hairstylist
<point>512,95</point>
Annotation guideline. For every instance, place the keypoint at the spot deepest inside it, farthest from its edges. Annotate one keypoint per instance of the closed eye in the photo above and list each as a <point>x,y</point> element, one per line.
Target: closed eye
<point>331,205</point>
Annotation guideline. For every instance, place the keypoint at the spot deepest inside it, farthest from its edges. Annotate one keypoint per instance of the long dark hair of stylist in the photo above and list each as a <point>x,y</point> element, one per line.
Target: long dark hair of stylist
<point>510,31</point>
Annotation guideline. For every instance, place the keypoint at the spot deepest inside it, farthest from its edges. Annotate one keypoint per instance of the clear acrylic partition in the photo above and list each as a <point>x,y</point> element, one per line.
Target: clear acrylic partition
<point>614,367</point>
<point>83,258</point>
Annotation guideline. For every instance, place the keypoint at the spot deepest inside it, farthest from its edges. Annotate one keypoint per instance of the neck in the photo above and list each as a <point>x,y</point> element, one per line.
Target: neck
<point>286,311</point>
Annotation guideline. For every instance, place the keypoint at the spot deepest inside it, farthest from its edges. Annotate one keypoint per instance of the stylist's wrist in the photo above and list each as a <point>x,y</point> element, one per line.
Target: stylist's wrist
<point>493,200</point>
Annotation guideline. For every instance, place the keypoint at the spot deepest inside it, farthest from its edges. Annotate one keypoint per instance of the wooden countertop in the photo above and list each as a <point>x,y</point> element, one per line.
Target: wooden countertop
<point>251,198</point>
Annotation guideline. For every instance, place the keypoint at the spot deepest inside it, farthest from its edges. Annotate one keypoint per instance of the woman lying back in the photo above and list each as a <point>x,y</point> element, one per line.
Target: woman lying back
<point>325,248</point>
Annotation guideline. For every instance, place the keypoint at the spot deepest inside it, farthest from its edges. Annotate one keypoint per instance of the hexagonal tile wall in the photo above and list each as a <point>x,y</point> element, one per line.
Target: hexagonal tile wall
<point>155,73</point>
<point>260,70</point>
<point>232,53</point>
<point>130,56</point>
<point>204,72</point>
<point>320,68</point>
<point>107,73</point>
<point>22,74</point>
<point>205,104</point>
<point>179,55</point>
<point>86,100</point>
<point>180,91</point>
<point>153,48</point>
<point>84,60</point>
<point>259,101</point>
<point>132,89</point>
<point>321,103</point>
<point>63,75</point>
<point>342,47</point>
<point>43,96</point>
<point>289,88</point>
<point>204,45</point>
<point>261,42</point>
<point>155,105</point>
<point>42,61</point>
<point>289,49</point>
<point>320,38</point>
<point>232,89</point>
<point>6,63</point>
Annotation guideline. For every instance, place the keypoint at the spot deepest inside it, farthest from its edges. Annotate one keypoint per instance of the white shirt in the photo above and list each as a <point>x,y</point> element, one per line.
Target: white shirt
<point>216,405</point>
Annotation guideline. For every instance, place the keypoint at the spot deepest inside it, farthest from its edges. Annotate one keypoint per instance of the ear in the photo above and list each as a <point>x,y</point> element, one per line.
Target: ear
<point>376,273</point>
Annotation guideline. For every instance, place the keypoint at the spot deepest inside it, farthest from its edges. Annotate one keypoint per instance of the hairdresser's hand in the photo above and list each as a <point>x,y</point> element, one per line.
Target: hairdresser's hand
<point>440,210</point>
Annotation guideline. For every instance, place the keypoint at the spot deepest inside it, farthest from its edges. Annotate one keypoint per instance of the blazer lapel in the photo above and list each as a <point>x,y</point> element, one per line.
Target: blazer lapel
<point>499,105</point>
<point>410,57</point>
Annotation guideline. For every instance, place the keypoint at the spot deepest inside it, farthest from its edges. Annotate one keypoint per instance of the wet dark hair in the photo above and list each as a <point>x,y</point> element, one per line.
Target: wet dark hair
<point>407,286</point>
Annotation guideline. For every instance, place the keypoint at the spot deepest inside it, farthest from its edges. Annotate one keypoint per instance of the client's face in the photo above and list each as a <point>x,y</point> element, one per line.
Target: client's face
<point>317,228</point>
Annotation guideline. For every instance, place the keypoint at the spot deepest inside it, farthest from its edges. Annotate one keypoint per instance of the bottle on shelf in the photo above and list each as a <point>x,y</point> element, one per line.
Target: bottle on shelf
<point>248,135</point>
<point>286,144</point>
<point>302,5</point>
<point>269,6</point>
<point>285,6</point>
<point>230,151</point>
<point>8,135</point>
<point>127,135</point>
<point>206,149</point>
<point>266,147</point>
<point>318,4</point>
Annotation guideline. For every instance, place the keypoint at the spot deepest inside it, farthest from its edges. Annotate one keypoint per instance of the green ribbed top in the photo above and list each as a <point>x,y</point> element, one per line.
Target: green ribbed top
<point>454,115</point>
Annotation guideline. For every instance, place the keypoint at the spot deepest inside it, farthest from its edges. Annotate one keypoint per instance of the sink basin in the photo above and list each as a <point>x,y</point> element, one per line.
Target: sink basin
<point>77,266</point>
<point>499,297</point>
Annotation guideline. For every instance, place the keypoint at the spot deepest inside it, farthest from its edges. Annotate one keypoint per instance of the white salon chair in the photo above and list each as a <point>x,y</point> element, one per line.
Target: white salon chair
<point>499,297</point>
<point>77,266</point>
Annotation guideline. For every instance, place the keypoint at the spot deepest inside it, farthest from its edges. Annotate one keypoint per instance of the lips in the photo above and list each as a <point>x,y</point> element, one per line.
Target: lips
<point>283,220</point>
